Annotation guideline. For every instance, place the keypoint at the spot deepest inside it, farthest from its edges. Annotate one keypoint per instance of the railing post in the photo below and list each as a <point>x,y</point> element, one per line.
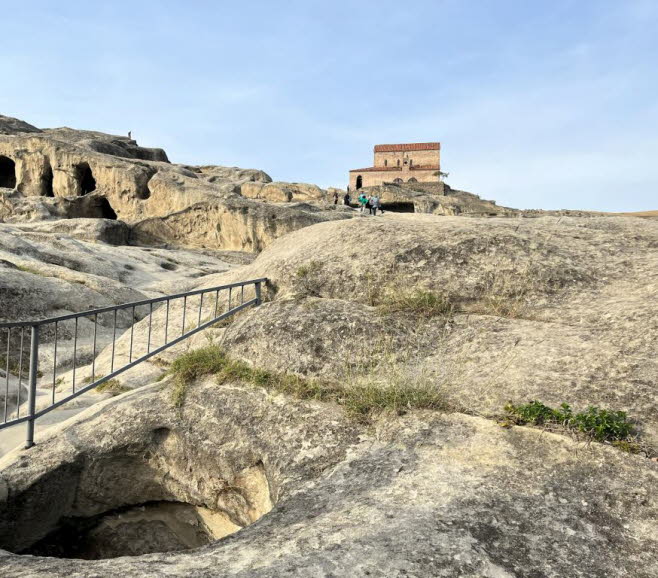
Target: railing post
<point>258,293</point>
<point>32,385</point>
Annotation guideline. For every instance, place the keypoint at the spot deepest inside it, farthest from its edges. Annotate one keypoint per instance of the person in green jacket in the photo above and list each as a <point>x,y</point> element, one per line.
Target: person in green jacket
<point>363,201</point>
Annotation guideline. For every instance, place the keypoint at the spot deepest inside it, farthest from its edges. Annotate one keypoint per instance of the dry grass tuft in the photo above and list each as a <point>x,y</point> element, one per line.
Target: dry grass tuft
<point>362,396</point>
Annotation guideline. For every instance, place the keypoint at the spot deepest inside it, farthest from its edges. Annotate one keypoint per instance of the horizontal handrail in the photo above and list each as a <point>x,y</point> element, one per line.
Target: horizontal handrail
<point>109,308</point>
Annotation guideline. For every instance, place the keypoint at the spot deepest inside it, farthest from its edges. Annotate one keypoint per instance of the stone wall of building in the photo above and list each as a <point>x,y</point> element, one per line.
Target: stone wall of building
<point>391,159</point>
<point>374,178</point>
<point>400,163</point>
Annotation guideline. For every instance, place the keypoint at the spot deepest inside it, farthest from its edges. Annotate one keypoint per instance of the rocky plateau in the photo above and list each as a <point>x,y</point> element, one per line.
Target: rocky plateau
<point>245,478</point>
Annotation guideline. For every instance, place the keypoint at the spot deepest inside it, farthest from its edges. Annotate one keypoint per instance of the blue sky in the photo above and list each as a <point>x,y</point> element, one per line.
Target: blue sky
<point>536,104</point>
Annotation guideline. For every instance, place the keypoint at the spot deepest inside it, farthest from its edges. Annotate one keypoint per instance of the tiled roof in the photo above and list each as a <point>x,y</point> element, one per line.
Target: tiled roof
<point>414,146</point>
<point>397,169</point>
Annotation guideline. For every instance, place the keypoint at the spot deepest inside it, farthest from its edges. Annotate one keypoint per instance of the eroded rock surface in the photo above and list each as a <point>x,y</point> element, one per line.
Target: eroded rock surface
<point>65,173</point>
<point>426,494</point>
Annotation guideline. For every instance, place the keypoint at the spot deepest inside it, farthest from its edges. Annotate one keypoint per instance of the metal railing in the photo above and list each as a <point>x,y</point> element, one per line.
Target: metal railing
<point>115,326</point>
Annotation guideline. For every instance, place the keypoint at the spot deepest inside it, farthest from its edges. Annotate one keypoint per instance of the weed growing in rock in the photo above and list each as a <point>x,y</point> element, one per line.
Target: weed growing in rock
<point>307,280</point>
<point>598,424</point>
<point>113,387</point>
<point>191,366</point>
<point>359,398</point>
<point>26,269</point>
<point>14,367</point>
<point>417,301</point>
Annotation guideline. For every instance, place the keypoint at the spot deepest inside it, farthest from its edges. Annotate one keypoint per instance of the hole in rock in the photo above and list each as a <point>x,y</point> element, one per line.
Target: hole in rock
<point>106,210</point>
<point>7,173</point>
<point>47,181</point>
<point>131,531</point>
<point>163,497</point>
<point>398,207</point>
<point>85,178</point>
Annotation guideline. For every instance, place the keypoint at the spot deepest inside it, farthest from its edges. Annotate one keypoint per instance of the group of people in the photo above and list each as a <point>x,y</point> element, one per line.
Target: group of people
<point>370,202</point>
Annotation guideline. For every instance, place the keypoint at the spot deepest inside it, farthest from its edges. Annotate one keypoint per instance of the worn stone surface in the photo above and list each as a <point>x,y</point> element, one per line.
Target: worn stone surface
<point>554,309</point>
<point>426,494</point>
<point>560,311</point>
<point>66,173</point>
<point>283,192</point>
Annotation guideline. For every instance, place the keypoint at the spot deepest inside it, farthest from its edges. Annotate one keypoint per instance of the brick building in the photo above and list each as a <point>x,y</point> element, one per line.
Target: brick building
<point>400,163</point>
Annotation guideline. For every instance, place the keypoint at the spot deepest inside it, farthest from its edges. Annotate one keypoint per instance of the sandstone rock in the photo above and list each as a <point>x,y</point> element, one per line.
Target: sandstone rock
<point>283,192</point>
<point>425,495</point>
<point>559,311</point>
<point>65,173</point>
<point>95,230</point>
<point>9,125</point>
<point>233,224</point>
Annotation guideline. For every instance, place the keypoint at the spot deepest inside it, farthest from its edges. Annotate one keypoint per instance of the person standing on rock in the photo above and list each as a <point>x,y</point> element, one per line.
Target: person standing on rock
<point>374,203</point>
<point>335,197</point>
<point>347,199</point>
<point>363,201</point>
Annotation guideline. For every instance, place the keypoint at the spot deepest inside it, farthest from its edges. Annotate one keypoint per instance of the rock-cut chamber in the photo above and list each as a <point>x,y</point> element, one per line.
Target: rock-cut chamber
<point>132,502</point>
<point>7,173</point>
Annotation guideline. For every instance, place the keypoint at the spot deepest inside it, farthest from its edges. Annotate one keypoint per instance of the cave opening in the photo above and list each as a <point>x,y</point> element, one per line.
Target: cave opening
<point>47,181</point>
<point>140,514</point>
<point>86,179</point>
<point>107,212</point>
<point>399,207</point>
<point>7,173</point>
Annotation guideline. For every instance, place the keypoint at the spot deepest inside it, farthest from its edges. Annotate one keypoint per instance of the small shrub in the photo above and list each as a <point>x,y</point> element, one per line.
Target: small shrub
<point>598,424</point>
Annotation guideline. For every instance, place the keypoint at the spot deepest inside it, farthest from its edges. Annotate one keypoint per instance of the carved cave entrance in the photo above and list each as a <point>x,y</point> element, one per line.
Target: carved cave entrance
<point>7,173</point>
<point>86,178</point>
<point>400,207</point>
<point>47,181</point>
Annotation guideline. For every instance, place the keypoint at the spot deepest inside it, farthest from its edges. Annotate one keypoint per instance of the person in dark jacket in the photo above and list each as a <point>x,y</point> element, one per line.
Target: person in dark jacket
<point>347,199</point>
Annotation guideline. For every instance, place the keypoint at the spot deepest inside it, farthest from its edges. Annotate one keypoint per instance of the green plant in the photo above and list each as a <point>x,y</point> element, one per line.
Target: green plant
<point>31,270</point>
<point>15,369</point>
<point>113,387</point>
<point>598,424</point>
<point>359,398</point>
<point>362,400</point>
<point>192,365</point>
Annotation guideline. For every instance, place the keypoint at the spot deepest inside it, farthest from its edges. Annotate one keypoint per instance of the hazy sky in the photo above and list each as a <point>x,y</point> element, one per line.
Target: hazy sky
<point>537,104</point>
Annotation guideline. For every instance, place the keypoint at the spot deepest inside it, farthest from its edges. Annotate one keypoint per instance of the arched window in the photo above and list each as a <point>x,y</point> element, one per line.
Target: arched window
<point>411,162</point>
<point>398,162</point>
<point>359,182</point>
<point>385,162</point>
<point>412,180</point>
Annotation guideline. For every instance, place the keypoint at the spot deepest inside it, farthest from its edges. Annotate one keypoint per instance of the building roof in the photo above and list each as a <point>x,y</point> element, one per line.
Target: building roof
<point>414,146</point>
<point>397,169</point>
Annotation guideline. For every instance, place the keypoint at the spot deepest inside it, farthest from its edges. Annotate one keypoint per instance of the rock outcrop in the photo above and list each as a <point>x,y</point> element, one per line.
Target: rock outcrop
<point>65,173</point>
<point>424,494</point>
<point>298,443</point>
<point>559,310</point>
